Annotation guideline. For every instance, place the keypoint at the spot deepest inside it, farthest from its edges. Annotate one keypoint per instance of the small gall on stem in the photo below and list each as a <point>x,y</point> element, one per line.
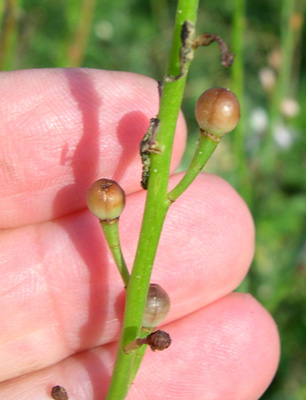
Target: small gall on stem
<point>157,306</point>
<point>59,393</point>
<point>158,340</point>
<point>217,112</point>
<point>186,50</point>
<point>148,146</point>
<point>106,199</point>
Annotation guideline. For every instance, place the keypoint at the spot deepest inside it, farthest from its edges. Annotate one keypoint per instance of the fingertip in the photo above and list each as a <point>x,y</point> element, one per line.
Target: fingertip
<point>62,129</point>
<point>229,349</point>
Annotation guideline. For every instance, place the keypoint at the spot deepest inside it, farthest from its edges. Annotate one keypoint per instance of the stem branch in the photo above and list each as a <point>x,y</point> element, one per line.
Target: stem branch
<point>205,148</point>
<point>111,233</point>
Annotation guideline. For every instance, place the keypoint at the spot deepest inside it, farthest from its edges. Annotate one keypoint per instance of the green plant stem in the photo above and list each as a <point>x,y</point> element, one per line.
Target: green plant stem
<point>8,33</point>
<point>268,150</point>
<point>79,19</point>
<point>155,210</point>
<point>139,353</point>
<point>237,72</point>
<point>204,150</point>
<point>111,232</point>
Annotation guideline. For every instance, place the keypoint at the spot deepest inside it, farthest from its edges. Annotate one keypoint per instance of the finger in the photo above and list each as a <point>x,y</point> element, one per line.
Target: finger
<point>227,350</point>
<point>61,129</point>
<point>67,291</point>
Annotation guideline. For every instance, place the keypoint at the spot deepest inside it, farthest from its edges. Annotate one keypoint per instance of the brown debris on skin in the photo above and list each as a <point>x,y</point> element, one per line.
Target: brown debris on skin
<point>59,393</point>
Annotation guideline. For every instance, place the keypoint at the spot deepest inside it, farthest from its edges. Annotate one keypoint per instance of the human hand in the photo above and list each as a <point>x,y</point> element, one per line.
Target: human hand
<point>61,296</point>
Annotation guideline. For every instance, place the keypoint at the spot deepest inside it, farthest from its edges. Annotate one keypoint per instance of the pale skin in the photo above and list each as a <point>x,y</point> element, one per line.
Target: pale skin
<point>61,297</point>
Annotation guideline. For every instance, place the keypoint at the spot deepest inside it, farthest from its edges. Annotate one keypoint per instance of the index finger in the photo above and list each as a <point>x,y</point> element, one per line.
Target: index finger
<point>64,128</point>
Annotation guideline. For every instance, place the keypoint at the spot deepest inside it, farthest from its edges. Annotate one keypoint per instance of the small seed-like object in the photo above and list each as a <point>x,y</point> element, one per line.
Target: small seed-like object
<point>217,111</point>
<point>158,340</point>
<point>157,306</point>
<point>106,199</point>
<point>59,393</point>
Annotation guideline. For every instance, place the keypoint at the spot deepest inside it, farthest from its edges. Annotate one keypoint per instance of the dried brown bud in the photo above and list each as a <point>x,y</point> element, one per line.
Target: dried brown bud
<point>217,111</point>
<point>106,199</point>
<point>157,306</point>
<point>227,58</point>
<point>158,340</point>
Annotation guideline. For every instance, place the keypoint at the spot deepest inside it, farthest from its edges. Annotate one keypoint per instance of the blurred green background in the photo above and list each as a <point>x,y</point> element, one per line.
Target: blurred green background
<point>264,159</point>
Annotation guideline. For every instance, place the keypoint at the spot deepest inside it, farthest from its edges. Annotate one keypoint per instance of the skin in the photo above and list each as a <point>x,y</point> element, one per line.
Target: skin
<point>61,297</point>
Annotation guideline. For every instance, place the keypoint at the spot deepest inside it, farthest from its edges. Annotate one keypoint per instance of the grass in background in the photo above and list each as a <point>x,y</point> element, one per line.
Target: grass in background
<point>265,159</point>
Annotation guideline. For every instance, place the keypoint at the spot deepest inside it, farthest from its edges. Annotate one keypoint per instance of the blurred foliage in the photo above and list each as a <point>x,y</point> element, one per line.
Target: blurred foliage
<point>135,36</point>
